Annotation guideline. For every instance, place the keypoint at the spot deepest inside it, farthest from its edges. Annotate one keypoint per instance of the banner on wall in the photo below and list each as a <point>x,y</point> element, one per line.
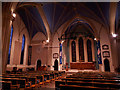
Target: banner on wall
<point>99,53</point>
<point>60,53</point>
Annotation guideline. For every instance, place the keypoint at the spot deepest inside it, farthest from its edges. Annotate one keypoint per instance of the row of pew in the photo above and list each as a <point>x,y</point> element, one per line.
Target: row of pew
<point>89,80</point>
<point>29,79</point>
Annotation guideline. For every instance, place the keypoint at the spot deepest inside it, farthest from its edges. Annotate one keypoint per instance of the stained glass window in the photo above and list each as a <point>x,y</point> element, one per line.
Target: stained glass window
<point>10,43</point>
<point>73,51</point>
<point>81,49</point>
<point>89,51</point>
<point>22,50</point>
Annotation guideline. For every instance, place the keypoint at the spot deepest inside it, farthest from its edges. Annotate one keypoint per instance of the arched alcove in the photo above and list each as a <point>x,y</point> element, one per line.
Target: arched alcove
<point>107,65</point>
<point>38,64</point>
<point>56,65</point>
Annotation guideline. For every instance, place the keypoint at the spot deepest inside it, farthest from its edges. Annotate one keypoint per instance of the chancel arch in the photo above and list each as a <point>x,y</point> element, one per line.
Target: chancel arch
<point>81,46</point>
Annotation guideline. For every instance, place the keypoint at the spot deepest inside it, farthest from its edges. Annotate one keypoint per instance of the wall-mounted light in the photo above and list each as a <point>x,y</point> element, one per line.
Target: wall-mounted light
<point>14,15</point>
<point>95,39</point>
<point>114,35</point>
<point>47,41</point>
<point>62,42</point>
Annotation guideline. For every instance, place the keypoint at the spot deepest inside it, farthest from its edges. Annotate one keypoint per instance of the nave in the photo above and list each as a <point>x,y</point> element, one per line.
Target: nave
<point>60,45</point>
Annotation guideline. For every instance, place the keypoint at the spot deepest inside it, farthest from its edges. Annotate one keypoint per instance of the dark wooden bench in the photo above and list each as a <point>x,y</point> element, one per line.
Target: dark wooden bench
<point>82,83</point>
<point>16,82</point>
<point>76,87</point>
<point>46,78</point>
<point>5,85</point>
<point>92,80</point>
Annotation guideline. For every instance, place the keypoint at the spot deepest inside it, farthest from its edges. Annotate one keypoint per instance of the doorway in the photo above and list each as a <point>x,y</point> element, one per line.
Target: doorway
<point>107,65</point>
<point>38,64</point>
<point>56,65</point>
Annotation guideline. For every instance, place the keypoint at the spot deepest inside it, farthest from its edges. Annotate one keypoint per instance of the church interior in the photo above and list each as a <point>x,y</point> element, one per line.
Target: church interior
<point>60,45</point>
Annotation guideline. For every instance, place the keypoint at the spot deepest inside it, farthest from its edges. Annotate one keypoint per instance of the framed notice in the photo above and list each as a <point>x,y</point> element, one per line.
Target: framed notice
<point>55,55</point>
<point>106,54</point>
<point>105,47</point>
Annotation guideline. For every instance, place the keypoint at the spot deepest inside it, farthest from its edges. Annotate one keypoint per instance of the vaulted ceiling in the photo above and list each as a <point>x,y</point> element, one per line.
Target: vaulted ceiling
<point>57,13</point>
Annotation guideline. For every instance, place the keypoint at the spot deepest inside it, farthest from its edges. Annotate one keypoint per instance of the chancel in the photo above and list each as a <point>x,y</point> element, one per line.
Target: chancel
<point>60,45</point>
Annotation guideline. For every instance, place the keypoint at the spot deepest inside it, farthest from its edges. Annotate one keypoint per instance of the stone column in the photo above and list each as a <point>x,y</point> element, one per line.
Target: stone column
<point>77,51</point>
<point>70,50</point>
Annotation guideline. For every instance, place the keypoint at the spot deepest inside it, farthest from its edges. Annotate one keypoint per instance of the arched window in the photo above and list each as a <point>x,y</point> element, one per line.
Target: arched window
<point>89,51</point>
<point>22,50</point>
<point>11,34</point>
<point>73,51</point>
<point>81,49</point>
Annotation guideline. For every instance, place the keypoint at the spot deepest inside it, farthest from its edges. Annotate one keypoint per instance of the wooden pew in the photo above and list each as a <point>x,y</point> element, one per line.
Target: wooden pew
<point>33,81</point>
<point>5,85</point>
<point>41,79</point>
<point>23,80</point>
<point>52,76</point>
<point>93,84</point>
<point>16,82</point>
<point>76,87</point>
<point>92,80</point>
<point>47,78</point>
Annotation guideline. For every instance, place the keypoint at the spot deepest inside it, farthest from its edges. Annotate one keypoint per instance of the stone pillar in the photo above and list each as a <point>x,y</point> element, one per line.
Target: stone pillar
<point>77,51</point>
<point>70,50</point>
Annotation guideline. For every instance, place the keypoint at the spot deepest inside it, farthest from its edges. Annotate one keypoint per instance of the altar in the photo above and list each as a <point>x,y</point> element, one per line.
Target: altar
<point>82,65</point>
